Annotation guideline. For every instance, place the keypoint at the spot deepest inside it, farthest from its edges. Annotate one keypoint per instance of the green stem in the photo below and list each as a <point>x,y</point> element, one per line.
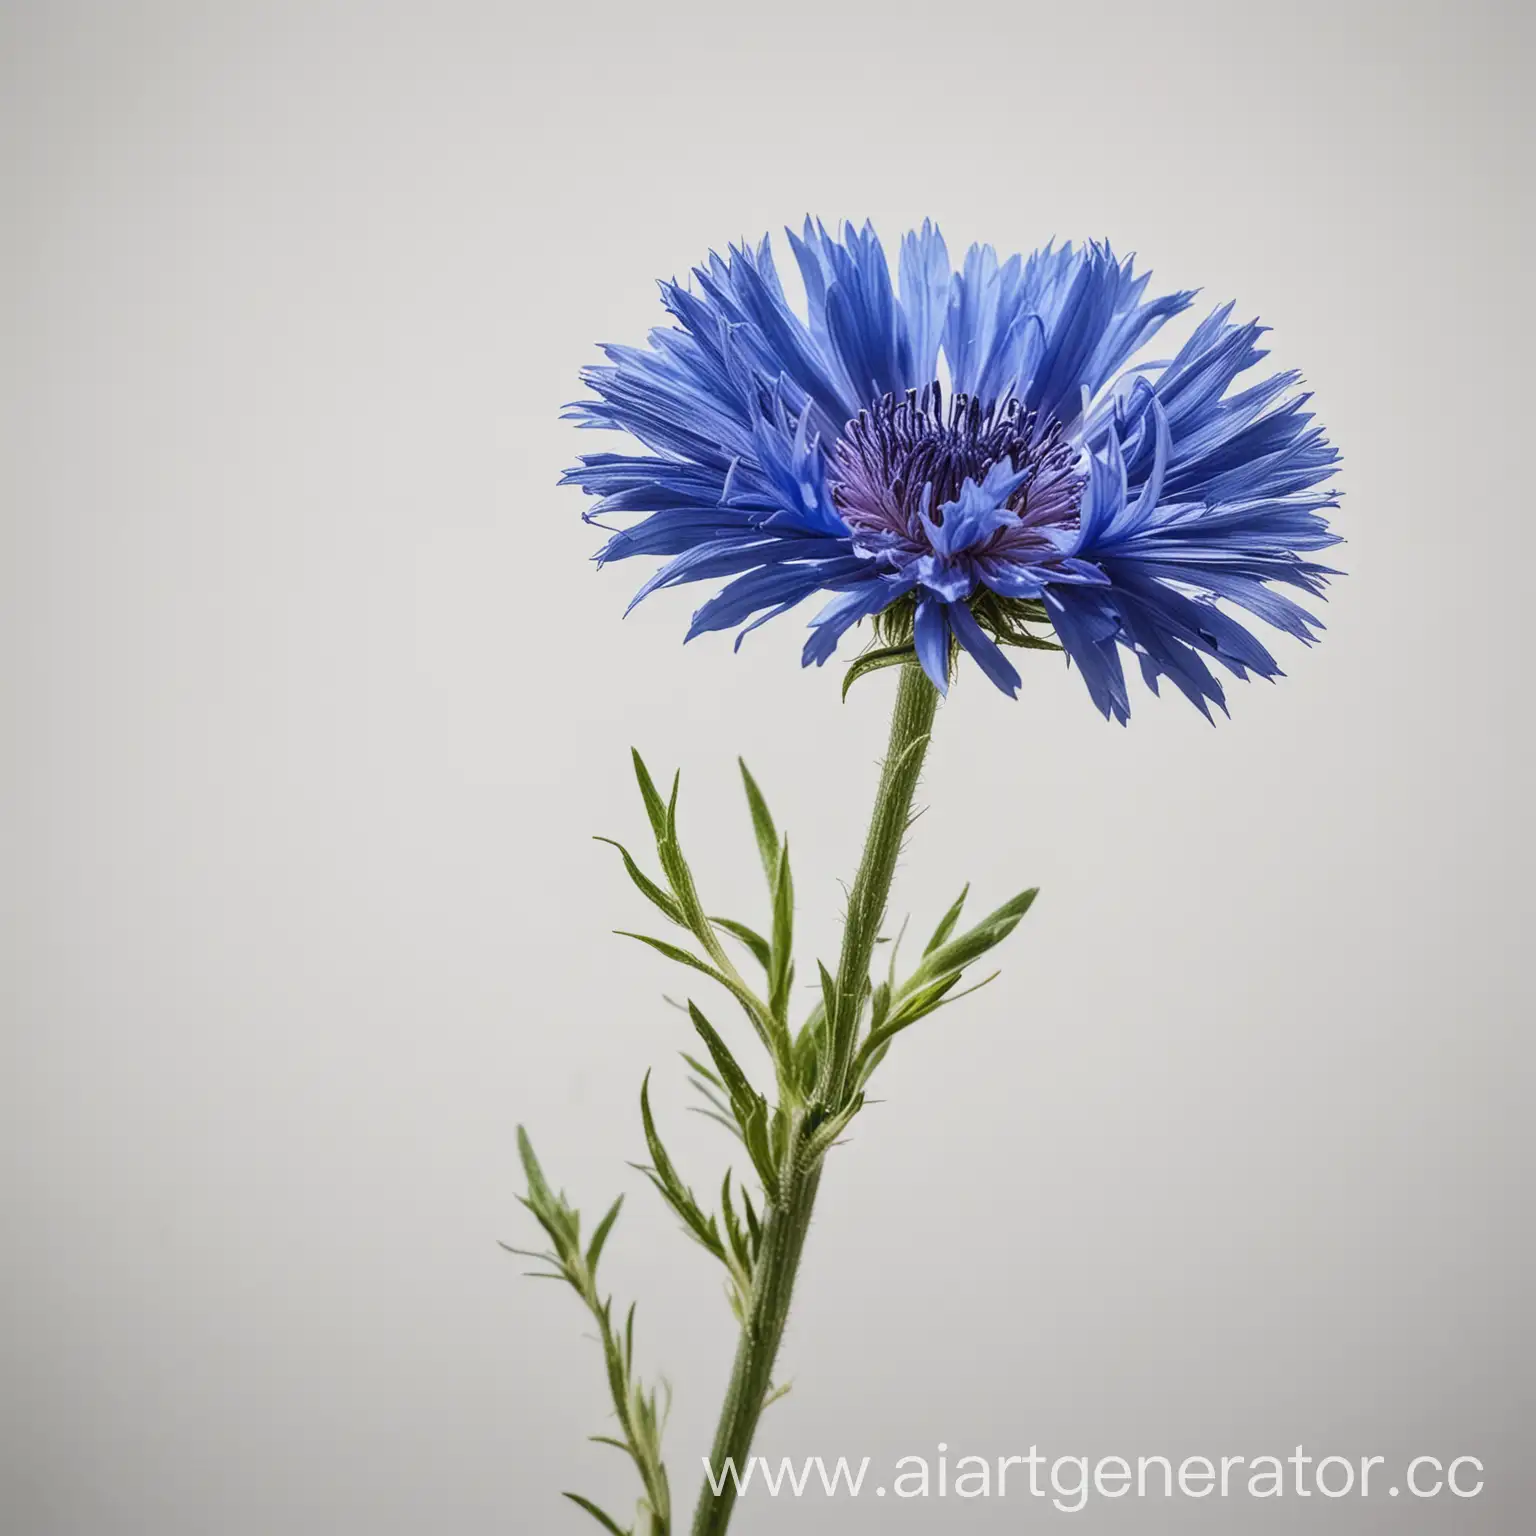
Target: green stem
<point>789,1217</point>
<point>911,723</point>
<point>653,1474</point>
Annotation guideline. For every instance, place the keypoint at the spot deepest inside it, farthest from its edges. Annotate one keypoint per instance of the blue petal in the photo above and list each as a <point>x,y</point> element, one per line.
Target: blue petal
<point>925,288</point>
<point>1088,627</point>
<point>930,639</point>
<point>978,512</point>
<point>984,649</point>
<point>848,609</point>
<point>771,587</point>
<point>727,556</point>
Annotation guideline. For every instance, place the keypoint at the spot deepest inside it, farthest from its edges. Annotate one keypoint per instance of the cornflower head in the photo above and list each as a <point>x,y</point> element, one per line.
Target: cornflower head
<point>974,460</point>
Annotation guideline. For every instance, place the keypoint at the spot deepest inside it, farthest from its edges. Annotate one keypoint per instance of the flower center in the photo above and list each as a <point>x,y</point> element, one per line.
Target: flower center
<point>905,457</point>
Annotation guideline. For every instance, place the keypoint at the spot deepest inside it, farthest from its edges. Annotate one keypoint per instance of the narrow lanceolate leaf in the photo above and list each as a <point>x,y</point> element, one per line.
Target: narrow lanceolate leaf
<point>823,1038</point>
<point>742,1094</point>
<point>947,922</point>
<point>757,1134</point>
<point>754,1226</point>
<point>959,952</point>
<point>806,1052</point>
<point>655,806</point>
<point>762,825</point>
<point>538,1189</point>
<point>873,661</point>
<point>735,1234</point>
<point>938,994</point>
<point>672,952</point>
<point>600,1235</point>
<point>671,1188</point>
<point>698,1066</point>
<point>720,1117</point>
<point>561,1224</point>
<point>780,967</point>
<point>661,1164</point>
<point>646,886</point>
<point>828,994</point>
<point>605,1520</point>
<point>680,878</point>
<point>880,1005</point>
<point>718,1108</point>
<point>748,1115</point>
<point>764,1025</point>
<point>760,949</point>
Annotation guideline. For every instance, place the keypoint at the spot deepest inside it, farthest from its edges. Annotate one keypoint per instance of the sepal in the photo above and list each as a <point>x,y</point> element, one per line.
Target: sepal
<point>875,661</point>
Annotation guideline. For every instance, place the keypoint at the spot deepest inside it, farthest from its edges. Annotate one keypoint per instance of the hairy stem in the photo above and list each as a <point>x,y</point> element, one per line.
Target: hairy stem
<point>911,723</point>
<point>789,1217</point>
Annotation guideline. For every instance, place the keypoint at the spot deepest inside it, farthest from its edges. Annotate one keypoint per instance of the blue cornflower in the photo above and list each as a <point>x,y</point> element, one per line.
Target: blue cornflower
<point>1051,481</point>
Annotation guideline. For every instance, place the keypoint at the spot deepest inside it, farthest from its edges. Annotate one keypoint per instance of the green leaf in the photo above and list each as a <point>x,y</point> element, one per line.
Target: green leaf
<point>522,1253</point>
<point>814,1021</point>
<point>720,1117</point>
<point>824,1135</point>
<point>762,824</point>
<point>754,1226</point>
<point>781,969</point>
<point>559,1221</point>
<point>806,1052</point>
<point>873,661</point>
<point>690,908</point>
<point>647,887</point>
<point>948,921</point>
<point>718,1109</point>
<point>974,942</point>
<point>747,1105</point>
<point>779,1134</point>
<point>698,1066</point>
<point>733,1228</point>
<point>655,809</point>
<point>762,1024</point>
<point>938,996</point>
<point>880,1005</point>
<point>919,1005</point>
<point>660,1162</point>
<point>755,1132</point>
<point>742,1094</point>
<point>672,952</point>
<point>538,1189</point>
<point>600,1236</point>
<point>761,950</point>
<point>607,1521</point>
<point>828,994</point>
<point>671,1188</point>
